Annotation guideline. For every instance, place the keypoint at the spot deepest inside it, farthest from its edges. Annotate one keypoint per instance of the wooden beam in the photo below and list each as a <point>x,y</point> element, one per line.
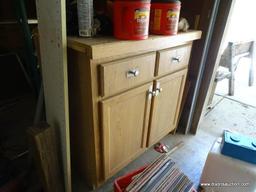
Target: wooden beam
<point>53,47</point>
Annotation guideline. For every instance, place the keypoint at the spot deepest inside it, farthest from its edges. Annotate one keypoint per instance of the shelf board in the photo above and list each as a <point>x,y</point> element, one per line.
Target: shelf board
<point>11,22</point>
<point>109,47</point>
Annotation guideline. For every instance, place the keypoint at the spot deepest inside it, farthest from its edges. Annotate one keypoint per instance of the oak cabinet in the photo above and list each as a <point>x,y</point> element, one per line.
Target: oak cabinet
<point>124,125</point>
<point>166,105</point>
<point>125,119</point>
<point>124,96</point>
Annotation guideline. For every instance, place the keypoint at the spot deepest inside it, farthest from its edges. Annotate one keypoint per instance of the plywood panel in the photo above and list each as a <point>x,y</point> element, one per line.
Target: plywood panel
<point>43,145</point>
<point>82,134</point>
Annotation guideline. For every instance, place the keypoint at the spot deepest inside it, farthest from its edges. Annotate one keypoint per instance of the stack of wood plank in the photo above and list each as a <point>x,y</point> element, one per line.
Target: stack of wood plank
<point>161,175</point>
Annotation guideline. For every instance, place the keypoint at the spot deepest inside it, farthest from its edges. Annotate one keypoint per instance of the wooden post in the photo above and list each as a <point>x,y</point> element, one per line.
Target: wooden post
<point>231,65</point>
<point>252,66</point>
<point>53,51</point>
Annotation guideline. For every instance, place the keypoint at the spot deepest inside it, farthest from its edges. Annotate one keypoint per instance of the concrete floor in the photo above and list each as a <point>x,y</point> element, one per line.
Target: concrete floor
<point>226,114</point>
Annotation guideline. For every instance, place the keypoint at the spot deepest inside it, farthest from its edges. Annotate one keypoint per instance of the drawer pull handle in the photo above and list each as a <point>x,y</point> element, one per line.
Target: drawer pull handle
<point>176,59</point>
<point>132,73</point>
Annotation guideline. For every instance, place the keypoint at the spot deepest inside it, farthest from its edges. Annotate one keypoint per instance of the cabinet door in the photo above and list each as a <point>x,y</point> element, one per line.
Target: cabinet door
<point>166,105</point>
<point>125,125</point>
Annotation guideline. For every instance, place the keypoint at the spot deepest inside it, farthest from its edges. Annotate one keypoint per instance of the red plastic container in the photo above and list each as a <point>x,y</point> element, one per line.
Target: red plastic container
<point>131,19</point>
<point>122,182</point>
<point>164,17</point>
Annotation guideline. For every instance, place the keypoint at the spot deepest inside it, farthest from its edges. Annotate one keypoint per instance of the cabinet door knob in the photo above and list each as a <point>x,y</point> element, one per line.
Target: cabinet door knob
<point>151,93</point>
<point>176,59</point>
<point>158,90</point>
<point>132,73</point>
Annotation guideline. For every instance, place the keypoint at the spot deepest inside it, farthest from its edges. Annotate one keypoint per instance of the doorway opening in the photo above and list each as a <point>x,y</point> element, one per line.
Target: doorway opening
<point>231,103</point>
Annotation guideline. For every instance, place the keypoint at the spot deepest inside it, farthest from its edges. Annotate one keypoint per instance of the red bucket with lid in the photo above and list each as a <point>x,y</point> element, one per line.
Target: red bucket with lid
<point>164,17</point>
<point>131,19</point>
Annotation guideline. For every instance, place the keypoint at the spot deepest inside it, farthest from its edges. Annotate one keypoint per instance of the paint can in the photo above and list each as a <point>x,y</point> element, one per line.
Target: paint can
<point>131,19</point>
<point>164,17</point>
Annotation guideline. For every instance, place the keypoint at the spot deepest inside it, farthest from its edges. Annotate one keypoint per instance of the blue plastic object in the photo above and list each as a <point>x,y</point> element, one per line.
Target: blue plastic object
<point>239,146</point>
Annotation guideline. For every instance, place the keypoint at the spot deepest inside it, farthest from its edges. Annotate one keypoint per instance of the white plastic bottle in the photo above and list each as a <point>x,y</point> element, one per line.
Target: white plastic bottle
<point>85,17</point>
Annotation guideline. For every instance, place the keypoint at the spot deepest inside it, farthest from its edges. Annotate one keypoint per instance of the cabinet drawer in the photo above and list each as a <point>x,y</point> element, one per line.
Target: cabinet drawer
<point>124,74</point>
<point>173,59</point>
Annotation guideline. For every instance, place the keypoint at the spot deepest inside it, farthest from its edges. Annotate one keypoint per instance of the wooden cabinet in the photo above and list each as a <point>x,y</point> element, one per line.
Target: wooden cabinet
<point>166,105</point>
<point>125,119</point>
<point>122,98</point>
<point>125,125</point>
